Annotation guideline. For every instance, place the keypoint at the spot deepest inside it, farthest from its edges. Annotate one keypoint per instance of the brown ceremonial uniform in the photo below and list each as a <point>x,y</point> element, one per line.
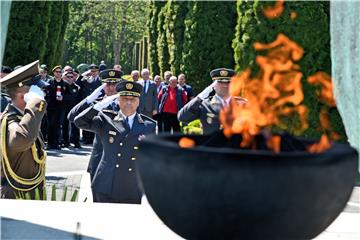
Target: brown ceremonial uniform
<point>22,149</point>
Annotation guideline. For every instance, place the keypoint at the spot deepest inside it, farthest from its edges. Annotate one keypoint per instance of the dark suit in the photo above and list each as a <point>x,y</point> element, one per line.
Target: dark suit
<point>115,178</point>
<point>148,99</point>
<point>206,110</point>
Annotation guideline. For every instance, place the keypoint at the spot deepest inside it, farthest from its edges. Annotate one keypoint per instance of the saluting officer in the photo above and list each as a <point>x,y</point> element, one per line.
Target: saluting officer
<point>22,148</point>
<point>206,106</point>
<point>115,179</point>
<point>109,78</point>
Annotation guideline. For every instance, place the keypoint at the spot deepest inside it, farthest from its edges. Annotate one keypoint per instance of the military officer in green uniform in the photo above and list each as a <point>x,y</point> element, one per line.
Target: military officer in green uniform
<point>206,105</point>
<point>115,179</point>
<point>22,148</point>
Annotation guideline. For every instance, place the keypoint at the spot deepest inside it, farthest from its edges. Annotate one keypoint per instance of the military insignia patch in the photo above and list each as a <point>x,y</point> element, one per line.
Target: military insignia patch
<point>111,73</point>
<point>41,106</point>
<point>111,139</point>
<point>223,73</point>
<point>129,86</point>
<point>112,133</point>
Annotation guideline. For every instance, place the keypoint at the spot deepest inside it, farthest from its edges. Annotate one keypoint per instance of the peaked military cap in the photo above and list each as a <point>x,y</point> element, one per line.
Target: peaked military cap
<point>56,67</point>
<point>43,67</point>
<point>94,66</point>
<point>26,75</point>
<point>129,88</point>
<point>111,76</point>
<point>222,74</point>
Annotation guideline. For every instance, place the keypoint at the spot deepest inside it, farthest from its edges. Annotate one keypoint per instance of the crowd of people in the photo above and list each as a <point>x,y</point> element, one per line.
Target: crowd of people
<point>67,86</point>
<point>113,113</point>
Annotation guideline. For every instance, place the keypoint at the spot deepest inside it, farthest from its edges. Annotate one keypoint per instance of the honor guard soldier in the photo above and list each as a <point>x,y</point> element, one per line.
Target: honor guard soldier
<point>109,78</point>
<point>22,148</point>
<point>115,179</point>
<point>206,105</point>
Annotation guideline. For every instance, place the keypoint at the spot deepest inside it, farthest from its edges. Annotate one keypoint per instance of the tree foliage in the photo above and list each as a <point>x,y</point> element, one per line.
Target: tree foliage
<point>161,44</point>
<point>27,32</point>
<point>175,28</point>
<point>209,31</point>
<point>104,30</point>
<point>155,8</point>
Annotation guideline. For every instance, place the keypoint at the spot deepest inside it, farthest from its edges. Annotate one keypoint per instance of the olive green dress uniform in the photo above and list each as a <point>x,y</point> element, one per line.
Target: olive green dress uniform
<point>22,147</point>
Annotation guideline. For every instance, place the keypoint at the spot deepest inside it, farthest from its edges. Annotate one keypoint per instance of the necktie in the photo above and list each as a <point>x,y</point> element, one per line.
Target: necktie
<point>127,122</point>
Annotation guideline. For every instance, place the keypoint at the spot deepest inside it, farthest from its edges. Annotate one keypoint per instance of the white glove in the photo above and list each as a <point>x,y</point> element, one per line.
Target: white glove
<point>86,73</point>
<point>206,92</point>
<point>95,94</point>
<point>34,92</point>
<point>105,102</point>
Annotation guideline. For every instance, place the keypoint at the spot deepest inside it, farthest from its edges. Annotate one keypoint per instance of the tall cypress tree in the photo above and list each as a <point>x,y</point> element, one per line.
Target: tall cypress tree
<point>162,46</point>
<point>253,26</point>
<point>53,40</point>
<point>60,46</point>
<point>175,29</point>
<point>208,37</point>
<point>153,35</point>
<point>27,32</point>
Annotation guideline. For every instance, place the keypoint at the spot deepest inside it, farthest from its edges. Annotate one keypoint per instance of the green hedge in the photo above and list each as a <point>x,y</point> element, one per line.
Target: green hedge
<point>209,31</point>
<point>310,29</point>
<point>161,44</point>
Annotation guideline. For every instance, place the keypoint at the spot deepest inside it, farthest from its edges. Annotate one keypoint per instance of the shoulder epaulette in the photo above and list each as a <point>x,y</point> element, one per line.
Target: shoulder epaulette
<point>147,118</point>
<point>109,112</point>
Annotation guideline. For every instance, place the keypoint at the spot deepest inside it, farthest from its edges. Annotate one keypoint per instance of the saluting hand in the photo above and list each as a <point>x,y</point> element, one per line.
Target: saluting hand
<point>95,94</point>
<point>34,92</point>
<point>105,102</point>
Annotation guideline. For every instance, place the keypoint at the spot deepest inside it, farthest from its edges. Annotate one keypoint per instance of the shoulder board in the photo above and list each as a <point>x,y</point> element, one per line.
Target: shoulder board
<point>109,112</point>
<point>147,118</point>
<point>12,117</point>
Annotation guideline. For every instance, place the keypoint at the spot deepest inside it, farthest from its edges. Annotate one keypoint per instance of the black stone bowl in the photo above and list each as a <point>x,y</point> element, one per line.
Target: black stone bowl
<point>226,193</point>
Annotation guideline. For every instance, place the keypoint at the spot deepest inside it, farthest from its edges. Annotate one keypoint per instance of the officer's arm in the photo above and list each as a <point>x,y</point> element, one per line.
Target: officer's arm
<point>24,133</point>
<point>89,120</point>
<point>75,111</point>
<point>190,111</point>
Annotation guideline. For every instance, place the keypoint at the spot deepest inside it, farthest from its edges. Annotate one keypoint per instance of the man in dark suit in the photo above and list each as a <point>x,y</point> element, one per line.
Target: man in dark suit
<point>148,99</point>
<point>115,179</point>
<point>206,106</point>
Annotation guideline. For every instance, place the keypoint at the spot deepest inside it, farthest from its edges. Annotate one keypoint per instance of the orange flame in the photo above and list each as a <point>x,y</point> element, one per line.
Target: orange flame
<point>185,142</point>
<point>274,93</point>
<point>321,146</point>
<point>324,80</point>
<point>274,11</point>
<point>273,143</point>
<point>293,15</point>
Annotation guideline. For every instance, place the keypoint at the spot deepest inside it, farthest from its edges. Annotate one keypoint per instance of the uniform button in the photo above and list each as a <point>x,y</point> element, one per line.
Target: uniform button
<point>121,144</point>
<point>117,165</point>
<point>133,158</point>
<point>130,169</point>
<point>119,154</point>
<point>136,147</point>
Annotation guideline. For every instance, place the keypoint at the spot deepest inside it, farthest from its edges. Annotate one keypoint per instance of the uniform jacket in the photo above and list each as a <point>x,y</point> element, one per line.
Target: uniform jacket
<point>97,149</point>
<point>71,95</point>
<point>116,173</point>
<point>148,100</point>
<point>206,110</point>
<point>21,132</point>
